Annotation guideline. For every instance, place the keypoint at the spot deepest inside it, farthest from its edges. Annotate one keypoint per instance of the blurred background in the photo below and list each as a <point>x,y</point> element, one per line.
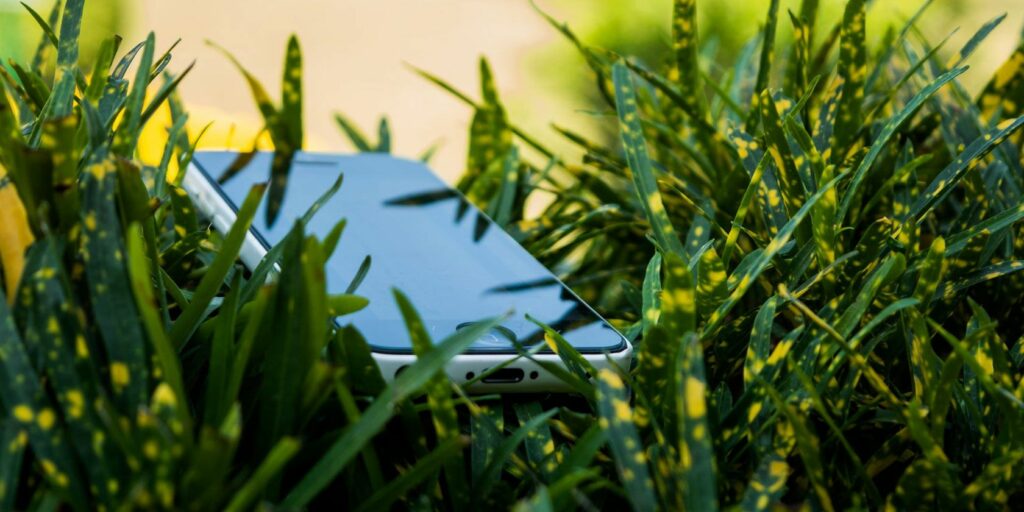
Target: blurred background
<point>356,53</point>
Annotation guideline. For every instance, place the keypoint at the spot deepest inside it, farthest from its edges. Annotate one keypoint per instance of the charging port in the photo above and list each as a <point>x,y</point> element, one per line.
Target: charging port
<point>505,376</point>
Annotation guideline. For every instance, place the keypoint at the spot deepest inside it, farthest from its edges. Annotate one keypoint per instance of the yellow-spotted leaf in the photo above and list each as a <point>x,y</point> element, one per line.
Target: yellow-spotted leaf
<point>890,129</point>
<point>117,317</point>
<point>54,329</point>
<point>640,162</point>
<point>442,406</point>
<point>27,402</point>
<point>853,70</point>
<point>1004,94</point>
<point>696,454</point>
<point>966,161</point>
<point>933,270</point>
<point>764,68</point>
<point>768,483</point>
<point>654,377</point>
<point>711,282</point>
<point>616,418</point>
<point>760,263</point>
<point>685,45</point>
<point>678,298</point>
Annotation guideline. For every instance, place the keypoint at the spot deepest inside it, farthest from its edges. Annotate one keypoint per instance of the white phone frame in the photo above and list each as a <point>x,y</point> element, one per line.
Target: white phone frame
<point>462,368</point>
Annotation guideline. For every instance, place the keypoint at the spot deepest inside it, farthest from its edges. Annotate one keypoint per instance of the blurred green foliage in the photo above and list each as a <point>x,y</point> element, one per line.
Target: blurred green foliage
<point>19,34</point>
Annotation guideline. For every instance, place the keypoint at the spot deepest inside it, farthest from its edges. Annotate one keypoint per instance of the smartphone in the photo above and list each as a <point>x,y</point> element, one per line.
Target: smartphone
<point>426,239</point>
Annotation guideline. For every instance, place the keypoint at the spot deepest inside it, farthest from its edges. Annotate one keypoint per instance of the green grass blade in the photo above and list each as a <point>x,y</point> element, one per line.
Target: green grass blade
<point>571,357</point>
<point>271,466</point>
<point>767,484</point>
<point>794,187</point>
<point>187,323</point>
<point>383,137</point>
<point>67,48</point>
<point>291,93</point>
<point>54,327</point>
<point>424,469</point>
<point>32,89</point>
<point>582,454</point>
<point>640,162</point>
<point>162,95</point>
<point>294,333</point>
<point>951,289</point>
<point>504,451</point>
<point>11,459</point>
<point>48,33</point>
<point>539,502</point>
<point>164,351</point>
<point>764,68</point>
<point>244,347</point>
<point>975,41</point>
<point>159,65</point>
<point>439,397</point>
<point>696,452</point>
<point>890,129</point>
<point>116,314</point>
<point>886,272</point>
<point>761,261</point>
<point>530,141</point>
<point>677,96</point>
<point>487,425</point>
<point>1008,82</point>
<point>596,62</point>
<point>25,399</point>
<point>885,59</point>
<point>361,272</point>
<point>539,444</point>
<point>807,445</point>
<point>796,76</point>
<point>651,293</point>
<point>616,418</point>
<point>351,441</point>
<point>686,45</point>
<point>53,109</point>
<point>994,224</point>
<point>263,102</point>
<point>127,135</point>
<point>49,43</point>
<point>760,342</point>
<point>678,301</point>
<point>270,260</point>
<point>933,270</point>
<point>969,159</point>
<point>285,129</point>
<point>654,377</point>
<point>853,71</point>
<point>712,289</point>
<point>925,365</point>
<point>354,134</point>
<point>741,213</point>
<point>276,123</point>
<point>216,404</point>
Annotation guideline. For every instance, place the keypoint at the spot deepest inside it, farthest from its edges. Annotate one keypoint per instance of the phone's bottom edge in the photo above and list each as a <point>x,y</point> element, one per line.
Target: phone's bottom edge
<point>519,376</point>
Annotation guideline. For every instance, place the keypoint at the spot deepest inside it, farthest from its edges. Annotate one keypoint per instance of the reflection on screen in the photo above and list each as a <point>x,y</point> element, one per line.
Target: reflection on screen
<point>425,240</point>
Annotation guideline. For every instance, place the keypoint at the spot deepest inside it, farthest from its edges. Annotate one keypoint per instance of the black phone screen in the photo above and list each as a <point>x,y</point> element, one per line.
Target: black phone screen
<point>453,263</point>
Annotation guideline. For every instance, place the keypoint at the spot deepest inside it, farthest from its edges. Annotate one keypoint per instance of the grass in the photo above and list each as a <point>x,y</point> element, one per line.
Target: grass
<point>816,256</point>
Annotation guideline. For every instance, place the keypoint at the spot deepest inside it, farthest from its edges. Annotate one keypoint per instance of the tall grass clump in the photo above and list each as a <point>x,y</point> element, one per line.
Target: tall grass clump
<point>141,367</point>
<point>815,250</point>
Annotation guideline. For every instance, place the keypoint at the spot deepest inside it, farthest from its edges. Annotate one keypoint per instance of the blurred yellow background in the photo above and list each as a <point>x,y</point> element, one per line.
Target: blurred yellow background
<point>355,52</point>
